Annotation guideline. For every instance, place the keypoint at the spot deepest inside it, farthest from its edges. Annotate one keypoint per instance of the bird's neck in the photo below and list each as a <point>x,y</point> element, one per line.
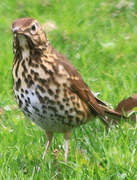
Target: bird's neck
<point>24,47</point>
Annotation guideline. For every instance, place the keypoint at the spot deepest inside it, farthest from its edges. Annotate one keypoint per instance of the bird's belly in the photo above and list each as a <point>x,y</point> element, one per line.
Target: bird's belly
<point>48,113</point>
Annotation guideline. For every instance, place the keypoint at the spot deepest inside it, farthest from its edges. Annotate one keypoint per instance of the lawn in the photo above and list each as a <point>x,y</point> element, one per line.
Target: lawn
<point>100,39</point>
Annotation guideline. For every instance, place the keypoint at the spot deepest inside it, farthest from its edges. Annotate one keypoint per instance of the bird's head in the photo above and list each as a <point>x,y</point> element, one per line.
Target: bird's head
<point>28,30</point>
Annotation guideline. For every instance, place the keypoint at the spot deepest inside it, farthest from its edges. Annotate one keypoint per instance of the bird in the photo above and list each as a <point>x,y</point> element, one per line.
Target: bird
<point>48,88</point>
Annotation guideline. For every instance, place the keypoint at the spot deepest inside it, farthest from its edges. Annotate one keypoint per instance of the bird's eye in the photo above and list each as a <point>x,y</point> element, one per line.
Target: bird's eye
<point>33,27</point>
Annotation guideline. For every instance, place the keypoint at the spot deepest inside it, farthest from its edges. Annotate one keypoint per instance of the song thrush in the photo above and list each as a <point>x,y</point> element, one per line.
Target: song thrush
<point>47,87</point>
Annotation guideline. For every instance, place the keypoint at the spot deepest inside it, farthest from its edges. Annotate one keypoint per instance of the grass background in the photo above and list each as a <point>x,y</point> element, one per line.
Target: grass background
<point>100,38</point>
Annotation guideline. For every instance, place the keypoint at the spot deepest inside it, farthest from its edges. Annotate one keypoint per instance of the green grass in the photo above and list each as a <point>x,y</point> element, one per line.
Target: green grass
<point>100,39</point>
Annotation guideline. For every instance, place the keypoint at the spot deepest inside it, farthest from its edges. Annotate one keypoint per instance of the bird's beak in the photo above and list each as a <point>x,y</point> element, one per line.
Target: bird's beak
<point>16,30</point>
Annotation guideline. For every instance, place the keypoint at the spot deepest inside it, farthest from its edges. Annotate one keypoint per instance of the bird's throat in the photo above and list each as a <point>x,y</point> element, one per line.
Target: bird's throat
<point>25,51</point>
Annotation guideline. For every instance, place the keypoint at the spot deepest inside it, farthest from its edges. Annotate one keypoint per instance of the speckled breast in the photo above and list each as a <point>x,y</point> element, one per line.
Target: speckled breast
<point>45,97</point>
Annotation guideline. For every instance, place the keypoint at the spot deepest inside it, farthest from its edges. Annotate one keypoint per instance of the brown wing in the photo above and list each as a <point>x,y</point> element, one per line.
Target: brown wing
<point>79,87</point>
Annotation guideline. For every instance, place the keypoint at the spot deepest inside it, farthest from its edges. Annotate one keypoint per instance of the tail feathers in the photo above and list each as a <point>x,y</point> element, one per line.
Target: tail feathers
<point>124,110</point>
<point>112,116</point>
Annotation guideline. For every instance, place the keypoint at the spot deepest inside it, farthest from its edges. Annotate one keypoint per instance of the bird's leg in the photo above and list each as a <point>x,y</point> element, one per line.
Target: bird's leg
<point>49,138</point>
<point>67,137</point>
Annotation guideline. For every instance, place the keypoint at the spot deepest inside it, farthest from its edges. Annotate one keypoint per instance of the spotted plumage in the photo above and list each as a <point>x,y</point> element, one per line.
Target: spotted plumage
<point>48,89</point>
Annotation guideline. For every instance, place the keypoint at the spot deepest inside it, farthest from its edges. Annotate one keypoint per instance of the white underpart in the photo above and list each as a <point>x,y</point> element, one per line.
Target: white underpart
<point>24,44</point>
